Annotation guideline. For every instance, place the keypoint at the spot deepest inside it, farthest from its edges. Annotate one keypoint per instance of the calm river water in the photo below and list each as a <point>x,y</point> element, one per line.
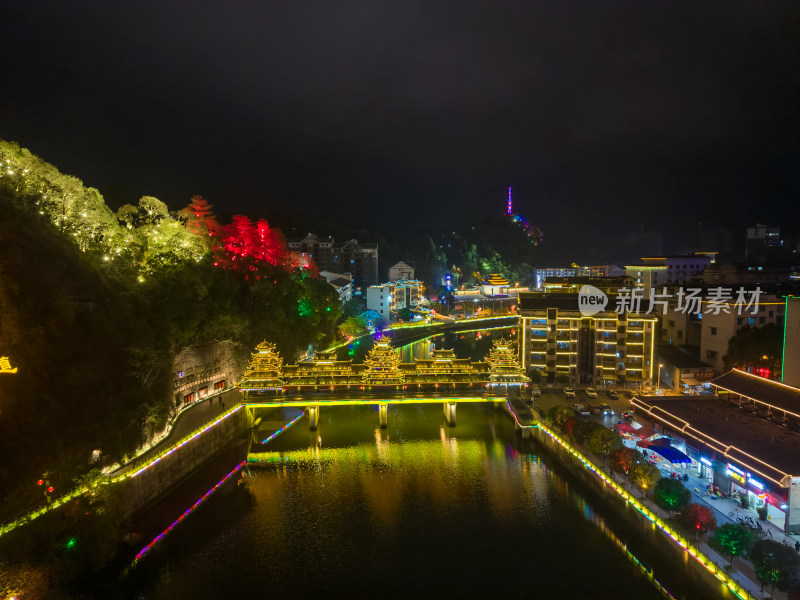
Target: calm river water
<point>418,510</point>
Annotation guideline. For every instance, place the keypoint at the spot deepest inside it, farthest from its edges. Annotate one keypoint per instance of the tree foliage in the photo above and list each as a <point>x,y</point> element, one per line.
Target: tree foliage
<point>644,476</point>
<point>671,494</point>
<point>623,459</point>
<point>559,414</point>
<point>95,305</point>
<point>732,539</point>
<point>603,441</point>
<point>756,347</point>
<point>775,563</point>
<point>698,517</point>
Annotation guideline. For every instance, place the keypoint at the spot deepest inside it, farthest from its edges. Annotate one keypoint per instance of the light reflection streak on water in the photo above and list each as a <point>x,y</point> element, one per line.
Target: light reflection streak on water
<point>598,521</point>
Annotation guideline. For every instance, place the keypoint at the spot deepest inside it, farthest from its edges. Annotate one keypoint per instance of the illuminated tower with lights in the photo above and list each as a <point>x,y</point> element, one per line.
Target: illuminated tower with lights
<point>510,212</point>
<point>504,365</point>
<point>382,365</point>
<point>264,371</point>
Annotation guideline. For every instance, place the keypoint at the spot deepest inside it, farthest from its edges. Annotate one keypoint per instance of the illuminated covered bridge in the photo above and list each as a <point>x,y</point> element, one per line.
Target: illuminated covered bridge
<point>381,376</point>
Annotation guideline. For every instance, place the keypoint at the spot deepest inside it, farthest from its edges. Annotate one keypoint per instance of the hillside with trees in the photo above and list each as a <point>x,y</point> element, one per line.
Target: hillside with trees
<point>95,303</point>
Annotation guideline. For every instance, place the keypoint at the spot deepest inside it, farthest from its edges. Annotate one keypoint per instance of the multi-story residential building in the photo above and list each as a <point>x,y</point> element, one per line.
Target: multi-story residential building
<point>391,297</point>
<point>573,285</point>
<point>342,283</point>
<point>738,274</point>
<point>318,249</point>
<point>399,271</point>
<point>647,276</point>
<point>762,242</point>
<point>717,328</point>
<point>358,260</point>
<point>575,271</point>
<point>606,348</point>
<point>384,299</point>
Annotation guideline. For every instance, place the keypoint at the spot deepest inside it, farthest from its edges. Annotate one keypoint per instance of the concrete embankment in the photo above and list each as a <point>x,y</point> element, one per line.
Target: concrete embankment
<point>145,482</point>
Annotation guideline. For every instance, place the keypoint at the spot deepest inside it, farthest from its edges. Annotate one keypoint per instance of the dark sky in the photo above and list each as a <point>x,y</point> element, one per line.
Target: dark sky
<point>600,114</point>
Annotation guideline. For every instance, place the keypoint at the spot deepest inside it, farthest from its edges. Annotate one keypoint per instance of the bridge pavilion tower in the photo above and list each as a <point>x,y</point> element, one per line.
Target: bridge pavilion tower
<point>382,366</point>
<point>504,365</point>
<point>263,373</point>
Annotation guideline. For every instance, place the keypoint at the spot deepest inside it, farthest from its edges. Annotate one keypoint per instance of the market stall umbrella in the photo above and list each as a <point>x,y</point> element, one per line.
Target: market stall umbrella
<point>625,427</point>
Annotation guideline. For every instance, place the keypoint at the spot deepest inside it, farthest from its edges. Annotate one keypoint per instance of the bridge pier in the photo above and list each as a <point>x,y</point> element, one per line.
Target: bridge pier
<point>383,413</point>
<point>313,418</point>
<point>450,413</point>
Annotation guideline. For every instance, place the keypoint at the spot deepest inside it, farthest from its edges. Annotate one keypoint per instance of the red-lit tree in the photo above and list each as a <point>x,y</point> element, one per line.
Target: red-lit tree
<point>698,518</point>
<point>247,246</point>
<point>623,459</point>
<point>199,218</point>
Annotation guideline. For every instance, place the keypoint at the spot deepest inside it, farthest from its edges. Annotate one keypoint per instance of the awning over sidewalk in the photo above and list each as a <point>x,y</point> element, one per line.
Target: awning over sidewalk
<point>645,432</point>
<point>673,455</point>
<point>690,381</point>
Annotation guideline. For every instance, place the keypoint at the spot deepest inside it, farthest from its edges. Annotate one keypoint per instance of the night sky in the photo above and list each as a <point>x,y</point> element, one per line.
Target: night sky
<point>601,115</point>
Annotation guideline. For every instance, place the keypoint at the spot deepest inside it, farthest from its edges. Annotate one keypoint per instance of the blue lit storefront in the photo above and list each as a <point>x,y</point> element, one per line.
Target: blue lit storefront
<point>733,453</point>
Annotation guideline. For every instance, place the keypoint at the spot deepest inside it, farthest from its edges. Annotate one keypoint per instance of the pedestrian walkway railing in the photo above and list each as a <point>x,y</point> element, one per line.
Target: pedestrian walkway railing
<point>109,479</point>
<point>686,545</point>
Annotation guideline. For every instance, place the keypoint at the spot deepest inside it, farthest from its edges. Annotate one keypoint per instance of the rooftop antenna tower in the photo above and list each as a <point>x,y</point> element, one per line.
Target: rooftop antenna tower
<point>509,201</point>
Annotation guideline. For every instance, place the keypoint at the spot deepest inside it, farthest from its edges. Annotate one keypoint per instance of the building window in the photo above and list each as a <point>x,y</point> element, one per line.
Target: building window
<point>711,354</point>
<point>680,334</point>
<point>672,323</point>
<point>762,320</point>
<point>713,330</point>
<point>751,321</point>
<point>739,321</point>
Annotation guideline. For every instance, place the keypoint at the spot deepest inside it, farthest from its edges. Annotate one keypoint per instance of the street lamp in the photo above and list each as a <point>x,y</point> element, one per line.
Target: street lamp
<point>658,382</point>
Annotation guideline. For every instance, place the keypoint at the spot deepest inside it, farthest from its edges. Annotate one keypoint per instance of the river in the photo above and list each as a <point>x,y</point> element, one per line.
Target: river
<point>415,510</point>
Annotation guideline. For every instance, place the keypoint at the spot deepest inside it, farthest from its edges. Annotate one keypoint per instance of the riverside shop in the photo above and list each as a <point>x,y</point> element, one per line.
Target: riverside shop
<point>733,453</point>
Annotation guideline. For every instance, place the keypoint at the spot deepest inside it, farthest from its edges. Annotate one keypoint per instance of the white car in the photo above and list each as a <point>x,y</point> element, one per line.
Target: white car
<point>590,392</point>
<point>568,392</point>
<point>580,409</point>
<point>536,390</point>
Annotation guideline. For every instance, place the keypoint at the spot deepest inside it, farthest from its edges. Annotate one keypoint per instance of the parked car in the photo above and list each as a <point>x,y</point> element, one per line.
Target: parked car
<point>536,390</point>
<point>628,394</point>
<point>580,409</point>
<point>612,394</point>
<point>590,392</point>
<point>627,415</point>
<point>606,409</point>
<point>568,392</point>
<point>595,409</point>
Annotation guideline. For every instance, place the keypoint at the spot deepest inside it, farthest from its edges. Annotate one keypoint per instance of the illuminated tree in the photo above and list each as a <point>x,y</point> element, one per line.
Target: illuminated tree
<point>559,414</point>
<point>246,246</point>
<point>775,563</point>
<point>644,476</point>
<point>756,348</point>
<point>623,459</point>
<point>353,327</point>
<point>698,518</point>
<point>732,539</point>
<point>671,494</point>
<point>199,219</point>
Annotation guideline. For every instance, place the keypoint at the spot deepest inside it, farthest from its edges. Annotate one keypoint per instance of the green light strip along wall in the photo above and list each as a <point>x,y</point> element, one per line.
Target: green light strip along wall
<point>785,329</point>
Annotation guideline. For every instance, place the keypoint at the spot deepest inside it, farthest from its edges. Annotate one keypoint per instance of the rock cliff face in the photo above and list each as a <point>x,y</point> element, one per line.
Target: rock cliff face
<point>196,370</point>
